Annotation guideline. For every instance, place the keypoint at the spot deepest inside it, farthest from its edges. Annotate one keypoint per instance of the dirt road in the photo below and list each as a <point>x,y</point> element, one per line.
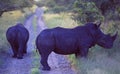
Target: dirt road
<point>58,63</point>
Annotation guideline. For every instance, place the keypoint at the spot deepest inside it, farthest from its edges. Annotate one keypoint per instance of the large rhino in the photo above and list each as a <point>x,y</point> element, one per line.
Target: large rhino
<point>71,41</point>
<point>18,37</point>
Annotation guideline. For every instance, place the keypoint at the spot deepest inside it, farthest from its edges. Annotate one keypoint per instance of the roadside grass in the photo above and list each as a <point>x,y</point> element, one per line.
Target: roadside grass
<point>6,20</point>
<point>99,60</point>
<point>61,20</point>
<point>35,63</point>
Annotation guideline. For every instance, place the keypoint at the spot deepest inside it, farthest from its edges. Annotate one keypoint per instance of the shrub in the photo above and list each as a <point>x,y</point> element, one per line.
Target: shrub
<point>86,11</point>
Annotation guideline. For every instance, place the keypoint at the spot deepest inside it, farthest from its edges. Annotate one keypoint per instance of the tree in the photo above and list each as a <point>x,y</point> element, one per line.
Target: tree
<point>9,5</point>
<point>86,11</point>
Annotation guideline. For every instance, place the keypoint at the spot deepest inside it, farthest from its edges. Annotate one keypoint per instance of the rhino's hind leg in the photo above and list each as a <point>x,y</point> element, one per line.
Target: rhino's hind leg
<point>14,49</point>
<point>20,55</point>
<point>14,53</point>
<point>20,52</point>
<point>25,49</point>
<point>44,59</point>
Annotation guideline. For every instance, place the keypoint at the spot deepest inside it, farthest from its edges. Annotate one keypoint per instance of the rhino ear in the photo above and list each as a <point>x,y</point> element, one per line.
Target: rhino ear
<point>99,24</point>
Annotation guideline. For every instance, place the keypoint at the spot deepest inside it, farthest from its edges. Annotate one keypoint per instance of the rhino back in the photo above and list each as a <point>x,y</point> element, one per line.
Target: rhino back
<point>45,40</point>
<point>23,34</point>
<point>11,34</point>
<point>73,39</point>
<point>64,41</point>
<point>17,34</point>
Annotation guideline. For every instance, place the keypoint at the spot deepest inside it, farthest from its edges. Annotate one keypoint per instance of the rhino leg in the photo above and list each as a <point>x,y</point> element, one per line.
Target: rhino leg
<point>84,52</point>
<point>14,49</point>
<point>25,49</point>
<point>77,55</point>
<point>44,59</point>
<point>20,52</point>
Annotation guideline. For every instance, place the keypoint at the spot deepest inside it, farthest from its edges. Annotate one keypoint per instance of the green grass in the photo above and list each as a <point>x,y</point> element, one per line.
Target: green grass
<point>62,20</point>
<point>99,60</point>
<point>35,63</point>
<point>35,71</point>
<point>36,57</point>
<point>8,19</point>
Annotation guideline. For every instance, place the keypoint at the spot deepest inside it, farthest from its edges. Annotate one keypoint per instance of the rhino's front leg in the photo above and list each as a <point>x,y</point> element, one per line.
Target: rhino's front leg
<point>77,55</point>
<point>84,52</point>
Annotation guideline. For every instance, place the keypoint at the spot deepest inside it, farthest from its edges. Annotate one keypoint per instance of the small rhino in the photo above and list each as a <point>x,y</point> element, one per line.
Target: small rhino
<point>18,37</point>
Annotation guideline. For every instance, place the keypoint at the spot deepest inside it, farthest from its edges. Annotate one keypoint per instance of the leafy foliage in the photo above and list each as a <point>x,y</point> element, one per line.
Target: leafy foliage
<point>57,6</point>
<point>86,11</point>
<point>9,5</point>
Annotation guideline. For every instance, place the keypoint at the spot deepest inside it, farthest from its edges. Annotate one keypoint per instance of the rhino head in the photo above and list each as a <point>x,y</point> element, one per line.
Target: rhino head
<point>104,40</point>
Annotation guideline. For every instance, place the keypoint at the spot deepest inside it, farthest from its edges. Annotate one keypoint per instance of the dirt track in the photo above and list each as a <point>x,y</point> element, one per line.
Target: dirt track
<point>58,63</point>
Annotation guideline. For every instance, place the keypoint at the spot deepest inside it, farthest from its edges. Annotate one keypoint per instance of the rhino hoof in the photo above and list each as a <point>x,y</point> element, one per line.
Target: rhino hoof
<point>20,57</point>
<point>14,56</point>
<point>25,52</point>
<point>46,69</point>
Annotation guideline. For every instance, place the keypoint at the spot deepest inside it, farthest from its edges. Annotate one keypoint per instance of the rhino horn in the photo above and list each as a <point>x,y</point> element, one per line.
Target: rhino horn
<point>114,36</point>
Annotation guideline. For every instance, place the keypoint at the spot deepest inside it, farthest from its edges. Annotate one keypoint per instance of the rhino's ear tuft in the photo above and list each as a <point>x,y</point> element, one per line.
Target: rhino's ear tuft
<point>98,23</point>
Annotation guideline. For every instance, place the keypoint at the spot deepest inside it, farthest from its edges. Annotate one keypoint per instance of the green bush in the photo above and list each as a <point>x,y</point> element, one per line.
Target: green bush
<point>58,9</point>
<point>86,11</point>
